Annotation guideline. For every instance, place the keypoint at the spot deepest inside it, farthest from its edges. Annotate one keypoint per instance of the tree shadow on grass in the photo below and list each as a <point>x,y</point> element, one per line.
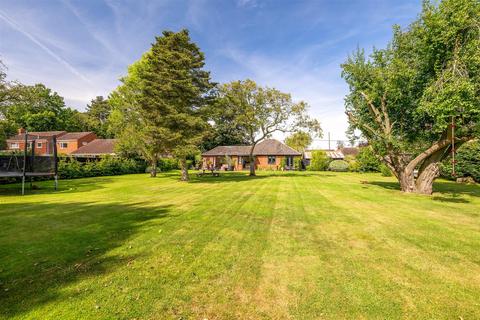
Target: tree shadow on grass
<point>453,190</point>
<point>48,187</point>
<point>45,247</point>
<point>243,176</point>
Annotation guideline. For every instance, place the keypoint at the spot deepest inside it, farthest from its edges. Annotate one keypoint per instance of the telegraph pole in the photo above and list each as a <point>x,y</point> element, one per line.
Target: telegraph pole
<point>329,141</point>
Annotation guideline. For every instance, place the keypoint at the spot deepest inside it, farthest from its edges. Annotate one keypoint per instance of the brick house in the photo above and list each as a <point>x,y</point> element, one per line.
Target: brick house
<point>43,141</point>
<point>66,142</point>
<point>71,141</point>
<point>268,154</point>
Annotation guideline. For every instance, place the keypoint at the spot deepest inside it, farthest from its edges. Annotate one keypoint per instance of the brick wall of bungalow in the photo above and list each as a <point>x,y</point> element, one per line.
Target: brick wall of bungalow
<point>261,161</point>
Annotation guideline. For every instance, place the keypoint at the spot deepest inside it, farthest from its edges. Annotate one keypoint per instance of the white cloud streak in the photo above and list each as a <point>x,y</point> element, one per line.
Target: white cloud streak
<point>17,27</point>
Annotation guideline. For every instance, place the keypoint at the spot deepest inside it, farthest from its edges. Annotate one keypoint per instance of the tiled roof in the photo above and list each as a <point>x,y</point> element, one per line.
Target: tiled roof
<point>97,147</point>
<point>349,151</point>
<point>330,153</point>
<point>38,135</point>
<point>265,147</point>
<point>74,135</point>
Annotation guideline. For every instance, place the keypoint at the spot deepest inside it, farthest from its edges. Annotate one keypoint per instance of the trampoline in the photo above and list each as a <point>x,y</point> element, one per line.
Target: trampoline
<point>27,165</point>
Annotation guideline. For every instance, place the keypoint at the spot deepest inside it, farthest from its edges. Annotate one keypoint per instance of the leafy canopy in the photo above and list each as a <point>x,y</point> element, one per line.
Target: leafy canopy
<point>427,74</point>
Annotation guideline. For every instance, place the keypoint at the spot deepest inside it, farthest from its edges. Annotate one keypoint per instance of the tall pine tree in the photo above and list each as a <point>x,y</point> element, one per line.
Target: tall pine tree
<point>174,91</point>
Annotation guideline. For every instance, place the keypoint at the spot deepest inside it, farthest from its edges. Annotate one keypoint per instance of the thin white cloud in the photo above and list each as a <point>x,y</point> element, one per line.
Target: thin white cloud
<point>247,3</point>
<point>320,87</point>
<point>96,35</point>
<point>32,38</point>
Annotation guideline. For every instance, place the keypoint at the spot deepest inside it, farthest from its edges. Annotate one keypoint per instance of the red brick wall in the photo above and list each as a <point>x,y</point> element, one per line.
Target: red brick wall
<point>73,145</point>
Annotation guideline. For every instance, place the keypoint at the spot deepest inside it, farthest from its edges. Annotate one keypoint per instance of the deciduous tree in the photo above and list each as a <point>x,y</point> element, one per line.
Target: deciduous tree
<point>261,111</point>
<point>299,140</point>
<point>419,96</point>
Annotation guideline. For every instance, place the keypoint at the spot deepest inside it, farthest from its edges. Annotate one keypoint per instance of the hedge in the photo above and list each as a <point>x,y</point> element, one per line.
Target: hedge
<point>109,166</point>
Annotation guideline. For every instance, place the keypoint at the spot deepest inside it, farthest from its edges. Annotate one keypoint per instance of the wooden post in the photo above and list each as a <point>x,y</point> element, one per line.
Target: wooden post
<point>24,161</point>
<point>55,161</point>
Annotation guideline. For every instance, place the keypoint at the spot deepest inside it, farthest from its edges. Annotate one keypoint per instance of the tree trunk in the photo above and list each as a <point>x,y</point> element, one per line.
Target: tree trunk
<point>153,169</point>
<point>251,157</point>
<point>406,179</point>
<point>183,164</point>
<point>424,183</point>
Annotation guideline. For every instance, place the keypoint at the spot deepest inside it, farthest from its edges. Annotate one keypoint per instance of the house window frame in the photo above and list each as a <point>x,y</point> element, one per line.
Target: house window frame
<point>271,160</point>
<point>39,145</point>
<point>289,161</point>
<point>63,145</point>
<point>14,145</point>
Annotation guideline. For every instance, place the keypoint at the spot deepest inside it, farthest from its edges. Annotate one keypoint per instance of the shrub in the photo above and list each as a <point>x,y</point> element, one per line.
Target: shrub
<point>353,166</point>
<point>338,165</point>
<point>283,163</point>
<point>319,161</point>
<point>297,164</point>
<point>70,168</point>
<point>386,172</point>
<point>367,161</point>
<point>467,162</point>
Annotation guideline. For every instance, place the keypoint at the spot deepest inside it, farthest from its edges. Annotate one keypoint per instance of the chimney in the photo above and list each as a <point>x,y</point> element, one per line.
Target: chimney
<point>21,131</point>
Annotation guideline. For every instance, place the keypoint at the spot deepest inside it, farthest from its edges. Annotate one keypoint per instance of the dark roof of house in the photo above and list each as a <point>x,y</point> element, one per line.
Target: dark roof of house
<point>265,147</point>
<point>97,147</point>
<point>74,135</point>
<point>332,154</point>
<point>349,151</point>
<point>38,135</point>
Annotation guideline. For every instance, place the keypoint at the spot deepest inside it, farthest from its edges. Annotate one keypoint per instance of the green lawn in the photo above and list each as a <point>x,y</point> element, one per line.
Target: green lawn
<point>278,246</point>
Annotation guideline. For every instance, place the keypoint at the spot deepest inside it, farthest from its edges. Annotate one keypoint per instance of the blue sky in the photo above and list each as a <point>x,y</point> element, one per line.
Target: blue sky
<point>81,48</point>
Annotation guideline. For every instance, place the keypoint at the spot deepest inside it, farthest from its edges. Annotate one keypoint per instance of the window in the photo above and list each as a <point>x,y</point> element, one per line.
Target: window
<point>289,161</point>
<point>272,160</point>
<point>14,146</point>
<point>63,145</point>
<point>39,145</point>
<point>239,160</point>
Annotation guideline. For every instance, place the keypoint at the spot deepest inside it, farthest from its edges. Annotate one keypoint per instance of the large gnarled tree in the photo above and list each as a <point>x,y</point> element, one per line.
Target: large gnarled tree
<point>262,111</point>
<point>419,98</point>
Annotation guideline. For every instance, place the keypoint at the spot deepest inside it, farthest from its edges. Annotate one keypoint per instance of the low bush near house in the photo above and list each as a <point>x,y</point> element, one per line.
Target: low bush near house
<point>385,171</point>
<point>319,161</point>
<point>338,166</point>
<point>367,161</point>
<point>108,166</point>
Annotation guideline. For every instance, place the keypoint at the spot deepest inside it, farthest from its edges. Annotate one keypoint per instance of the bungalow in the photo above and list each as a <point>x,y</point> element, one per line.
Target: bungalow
<point>268,155</point>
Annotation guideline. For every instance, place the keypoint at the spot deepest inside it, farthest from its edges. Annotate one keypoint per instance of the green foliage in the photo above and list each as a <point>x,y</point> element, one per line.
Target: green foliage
<point>97,116</point>
<point>161,104</point>
<point>367,161</point>
<point>283,163</point>
<point>37,108</point>
<point>338,166</point>
<point>297,164</point>
<point>385,171</point>
<point>353,164</point>
<point>261,111</point>
<point>402,98</point>
<point>319,161</point>
<point>70,168</point>
<point>299,140</point>
<point>467,162</point>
